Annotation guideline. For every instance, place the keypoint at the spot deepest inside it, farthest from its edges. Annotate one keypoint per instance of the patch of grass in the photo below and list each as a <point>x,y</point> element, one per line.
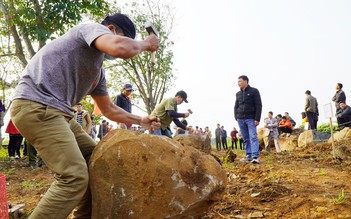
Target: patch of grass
<point>269,161</point>
<point>341,198</point>
<point>321,172</point>
<point>32,185</point>
<point>3,152</point>
<point>272,176</point>
<point>11,171</point>
<point>226,164</point>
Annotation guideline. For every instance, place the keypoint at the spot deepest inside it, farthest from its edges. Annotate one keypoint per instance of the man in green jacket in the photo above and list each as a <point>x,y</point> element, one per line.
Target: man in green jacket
<point>166,111</point>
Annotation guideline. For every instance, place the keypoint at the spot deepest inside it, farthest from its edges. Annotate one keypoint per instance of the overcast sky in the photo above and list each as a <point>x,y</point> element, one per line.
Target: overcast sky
<point>284,47</point>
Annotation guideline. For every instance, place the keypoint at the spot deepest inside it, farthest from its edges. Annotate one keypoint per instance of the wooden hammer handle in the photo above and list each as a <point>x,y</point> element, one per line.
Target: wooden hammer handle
<point>153,54</point>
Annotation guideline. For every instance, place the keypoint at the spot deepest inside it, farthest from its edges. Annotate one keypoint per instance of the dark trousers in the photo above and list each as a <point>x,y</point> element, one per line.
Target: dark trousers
<point>224,143</point>
<point>311,120</point>
<point>14,145</point>
<point>241,144</point>
<point>342,123</point>
<point>236,146</point>
<point>218,143</point>
<point>167,133</point>
<point>285,129</point>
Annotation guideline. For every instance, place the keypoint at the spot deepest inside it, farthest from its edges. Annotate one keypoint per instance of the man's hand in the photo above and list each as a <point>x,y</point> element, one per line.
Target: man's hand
<point>151,123</point>
<point>122,126</point>
<point>186,115</point>
<point>153,42</point>
<point>257,123</point>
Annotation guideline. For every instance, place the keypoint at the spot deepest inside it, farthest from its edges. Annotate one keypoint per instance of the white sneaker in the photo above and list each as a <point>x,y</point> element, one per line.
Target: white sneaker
<point>255,160</point>
<point>17,157</point>
<point>246,159</point>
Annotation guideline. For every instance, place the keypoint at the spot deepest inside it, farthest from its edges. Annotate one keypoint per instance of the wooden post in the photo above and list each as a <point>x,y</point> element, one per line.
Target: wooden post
<point>332,135</point>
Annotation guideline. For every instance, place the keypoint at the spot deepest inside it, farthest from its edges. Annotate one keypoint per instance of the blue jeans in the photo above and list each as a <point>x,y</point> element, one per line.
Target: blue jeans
<point>163,132</point>
<point>249,134</point>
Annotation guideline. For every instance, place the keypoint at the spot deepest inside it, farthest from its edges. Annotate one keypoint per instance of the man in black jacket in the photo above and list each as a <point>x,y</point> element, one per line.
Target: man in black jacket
<point>344,114</point>
<point>338,98</point>
<point>123,101</point>
<point>247,111</point>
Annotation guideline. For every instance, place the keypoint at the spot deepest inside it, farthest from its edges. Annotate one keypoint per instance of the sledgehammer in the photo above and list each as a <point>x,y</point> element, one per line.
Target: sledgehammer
<point>151,30</point>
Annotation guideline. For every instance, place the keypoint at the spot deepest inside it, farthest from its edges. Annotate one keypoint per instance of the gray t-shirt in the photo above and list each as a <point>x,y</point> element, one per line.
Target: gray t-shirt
<point>66,70</point>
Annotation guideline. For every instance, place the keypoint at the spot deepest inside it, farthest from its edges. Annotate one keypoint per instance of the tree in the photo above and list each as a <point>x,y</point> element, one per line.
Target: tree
<point>152,81</point>
<point>32,22</point>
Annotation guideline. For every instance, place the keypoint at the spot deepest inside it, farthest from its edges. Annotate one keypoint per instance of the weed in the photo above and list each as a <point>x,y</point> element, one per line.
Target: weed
<point>226,164</point>
<point>11,171</point>
<point>3,152</point>
<point>341,198</point>
<point>321,172</point>
<point>32,185</point>
<point>273,177</point>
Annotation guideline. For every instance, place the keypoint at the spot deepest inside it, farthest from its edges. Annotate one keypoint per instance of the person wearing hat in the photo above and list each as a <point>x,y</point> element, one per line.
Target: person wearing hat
<point>166,111</point>
<point>58,77</point>
<point>123,101</point>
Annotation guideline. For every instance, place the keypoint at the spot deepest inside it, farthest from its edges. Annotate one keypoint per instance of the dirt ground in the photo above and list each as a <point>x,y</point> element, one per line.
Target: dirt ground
<point>306,183</point>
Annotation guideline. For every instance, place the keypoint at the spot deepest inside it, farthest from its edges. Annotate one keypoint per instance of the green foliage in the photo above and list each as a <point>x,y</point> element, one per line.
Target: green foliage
<point>325,128</point>
<point>43,20</point>
<point>151,81</point>
<point>3,152</point>
<point>8,172</point>
<point>341,198</point>
<point>88,105</point>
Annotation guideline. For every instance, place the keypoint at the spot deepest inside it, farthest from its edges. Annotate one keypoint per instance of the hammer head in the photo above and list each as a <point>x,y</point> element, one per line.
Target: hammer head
<point>150,28</point>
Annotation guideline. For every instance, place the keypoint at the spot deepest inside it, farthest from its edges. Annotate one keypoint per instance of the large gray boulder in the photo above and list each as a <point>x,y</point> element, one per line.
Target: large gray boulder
<point>134,175</point>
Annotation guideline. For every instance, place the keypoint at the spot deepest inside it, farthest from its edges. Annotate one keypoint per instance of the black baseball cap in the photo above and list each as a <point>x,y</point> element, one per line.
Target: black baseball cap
<point>124,23</point>
<point>128,87</point>
<point>183,95</point>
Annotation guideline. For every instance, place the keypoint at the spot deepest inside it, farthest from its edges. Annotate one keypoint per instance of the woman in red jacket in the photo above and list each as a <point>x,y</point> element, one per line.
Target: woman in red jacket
<point>15,141</point>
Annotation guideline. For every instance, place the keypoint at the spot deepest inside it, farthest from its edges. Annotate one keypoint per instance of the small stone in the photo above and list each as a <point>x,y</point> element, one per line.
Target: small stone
<point>255,194</point>
<point>256,214</point>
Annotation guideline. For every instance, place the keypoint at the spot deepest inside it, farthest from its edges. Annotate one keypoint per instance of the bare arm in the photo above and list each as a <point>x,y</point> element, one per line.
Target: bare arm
<point>89,123</point>
<point>117,114</point>
<point>124,47</point>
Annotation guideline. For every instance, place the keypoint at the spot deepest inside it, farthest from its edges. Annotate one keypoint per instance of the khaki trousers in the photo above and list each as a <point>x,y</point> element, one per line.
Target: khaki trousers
<point>65,148</point>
